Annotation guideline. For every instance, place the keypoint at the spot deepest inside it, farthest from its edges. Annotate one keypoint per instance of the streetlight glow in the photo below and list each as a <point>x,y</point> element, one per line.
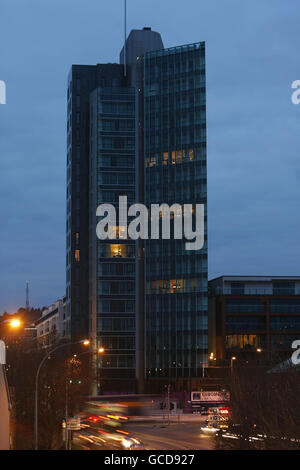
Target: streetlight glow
<point>15,323</point>
<point>101,350</point>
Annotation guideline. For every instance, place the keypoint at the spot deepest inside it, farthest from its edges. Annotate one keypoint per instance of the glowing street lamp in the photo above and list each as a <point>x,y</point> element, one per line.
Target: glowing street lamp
<point>16,323</point>
<point>231,363</point>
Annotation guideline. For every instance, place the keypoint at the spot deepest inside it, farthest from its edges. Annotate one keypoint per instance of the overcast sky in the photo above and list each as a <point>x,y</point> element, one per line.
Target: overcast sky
<point>253,128</point>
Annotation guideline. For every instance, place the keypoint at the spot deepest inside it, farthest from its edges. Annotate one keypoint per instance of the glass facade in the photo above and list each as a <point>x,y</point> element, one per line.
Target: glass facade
<point>175,172</point>
<point>285,323</point>
<point>245,323</point>
<point>259,315</point>
<point>245,305</point>
<point>285,305</point>
<point>112,262</point>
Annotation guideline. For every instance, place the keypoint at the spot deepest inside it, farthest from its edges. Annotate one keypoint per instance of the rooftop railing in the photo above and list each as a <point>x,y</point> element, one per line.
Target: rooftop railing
<point>255,291</point>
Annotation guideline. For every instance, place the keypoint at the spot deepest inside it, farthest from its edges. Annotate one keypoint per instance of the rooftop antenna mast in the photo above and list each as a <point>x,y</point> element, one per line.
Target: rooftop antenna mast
<point>27,296</point>
<point>125,34</point>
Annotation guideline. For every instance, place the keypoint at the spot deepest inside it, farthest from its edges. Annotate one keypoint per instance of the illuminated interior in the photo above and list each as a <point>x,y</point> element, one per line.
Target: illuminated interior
<point>77,255</point>
<point>117,251</point>
<point>243,341</point>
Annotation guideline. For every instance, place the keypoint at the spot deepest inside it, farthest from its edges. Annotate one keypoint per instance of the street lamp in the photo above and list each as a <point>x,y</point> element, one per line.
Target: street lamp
<point>231,363</point>
<point>76,356</point>
<point>16,323</point>
<point>85,343</point>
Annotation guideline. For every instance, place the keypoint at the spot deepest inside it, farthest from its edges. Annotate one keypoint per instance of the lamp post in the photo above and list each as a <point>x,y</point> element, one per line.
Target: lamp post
<point>76,356</point>
<point>231,363</point>
<point>168,403</point>
<point>86,343</point>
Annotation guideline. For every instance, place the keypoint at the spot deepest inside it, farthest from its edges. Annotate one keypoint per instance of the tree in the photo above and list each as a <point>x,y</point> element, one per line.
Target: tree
<point>265,406</point>
<point>62,377</point>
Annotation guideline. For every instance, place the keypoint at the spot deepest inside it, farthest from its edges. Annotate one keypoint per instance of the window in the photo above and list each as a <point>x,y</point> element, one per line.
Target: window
<point>116,251</point>
<point>237,288</point>
<point>244,342</point>
<point>244,305</point>
<point>245,323</point>
<point>285,323</point>
<point>285,305</point>
<point>283,288</point>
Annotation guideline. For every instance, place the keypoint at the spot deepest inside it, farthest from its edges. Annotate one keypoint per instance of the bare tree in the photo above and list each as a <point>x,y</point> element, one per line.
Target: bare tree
<point>265,411</point>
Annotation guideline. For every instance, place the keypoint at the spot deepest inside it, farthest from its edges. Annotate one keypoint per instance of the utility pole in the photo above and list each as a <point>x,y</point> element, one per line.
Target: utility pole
<point>66,413</point>
<point>27,296</point>
<point>168,403</point>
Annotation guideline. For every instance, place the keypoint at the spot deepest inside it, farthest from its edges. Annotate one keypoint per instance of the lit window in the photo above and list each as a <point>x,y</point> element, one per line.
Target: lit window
<point>117,251</point>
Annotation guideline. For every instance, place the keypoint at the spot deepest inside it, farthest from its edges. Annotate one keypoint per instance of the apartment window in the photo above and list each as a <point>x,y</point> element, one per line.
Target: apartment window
<point>285,305</point>
<point>285,323</point>
<point>249,342</point>
<point>244,305</point>
<point>237,288</point>
<point>247,323</point>
<point>283,288</point>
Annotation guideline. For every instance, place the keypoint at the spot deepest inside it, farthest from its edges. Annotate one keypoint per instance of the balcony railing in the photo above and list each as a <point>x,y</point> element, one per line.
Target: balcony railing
<point>255,291</point>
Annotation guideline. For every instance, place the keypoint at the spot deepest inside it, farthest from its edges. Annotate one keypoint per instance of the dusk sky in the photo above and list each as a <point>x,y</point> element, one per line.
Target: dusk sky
<point>253,129</point>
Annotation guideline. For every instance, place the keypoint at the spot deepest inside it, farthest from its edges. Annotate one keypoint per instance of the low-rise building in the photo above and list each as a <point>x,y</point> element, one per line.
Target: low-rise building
<point>252,317</point>
<point>51,326</point>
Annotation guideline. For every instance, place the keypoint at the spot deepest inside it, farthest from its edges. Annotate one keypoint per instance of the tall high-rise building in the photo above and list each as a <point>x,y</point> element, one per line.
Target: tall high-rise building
<point>137,129</point>
<point>175,172</point>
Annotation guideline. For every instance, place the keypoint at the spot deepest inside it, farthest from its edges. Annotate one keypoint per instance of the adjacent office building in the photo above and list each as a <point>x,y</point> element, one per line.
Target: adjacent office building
<point>137,129</point>
<point>253,317</point>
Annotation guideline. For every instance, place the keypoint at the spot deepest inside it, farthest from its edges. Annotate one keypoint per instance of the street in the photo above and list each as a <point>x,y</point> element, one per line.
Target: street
<point>182,436</point>
<point>154,435</point>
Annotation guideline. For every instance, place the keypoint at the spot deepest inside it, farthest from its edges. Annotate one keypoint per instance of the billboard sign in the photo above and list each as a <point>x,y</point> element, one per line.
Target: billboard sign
<point>210,396</point>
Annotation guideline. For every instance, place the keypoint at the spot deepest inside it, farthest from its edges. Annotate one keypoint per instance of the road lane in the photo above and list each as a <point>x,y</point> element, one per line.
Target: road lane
<point>176,436</point>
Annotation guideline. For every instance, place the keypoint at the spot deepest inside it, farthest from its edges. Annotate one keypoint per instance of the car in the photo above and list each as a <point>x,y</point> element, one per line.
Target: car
<point>132,444</point>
